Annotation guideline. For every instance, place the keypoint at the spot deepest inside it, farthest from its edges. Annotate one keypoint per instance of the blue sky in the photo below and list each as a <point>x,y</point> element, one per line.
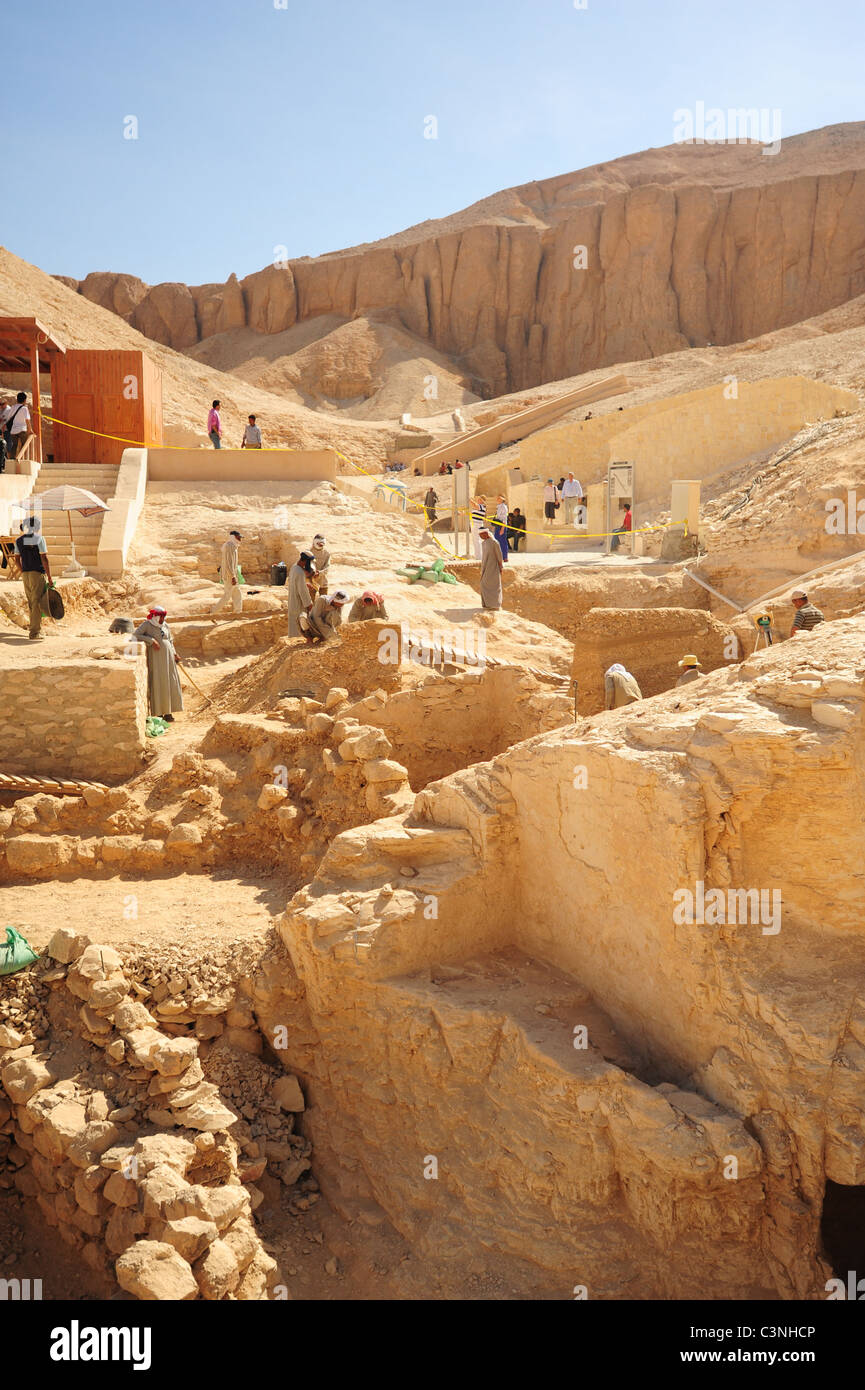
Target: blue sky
<point>303,126</point>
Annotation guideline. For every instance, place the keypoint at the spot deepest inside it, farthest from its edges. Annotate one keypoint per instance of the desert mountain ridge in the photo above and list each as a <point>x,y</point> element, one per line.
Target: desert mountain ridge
<point>685,246</point>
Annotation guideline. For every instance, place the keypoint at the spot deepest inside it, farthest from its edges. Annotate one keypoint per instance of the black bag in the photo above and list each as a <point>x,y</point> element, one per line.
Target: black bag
<point>7,429</point>
<point>55,604</point>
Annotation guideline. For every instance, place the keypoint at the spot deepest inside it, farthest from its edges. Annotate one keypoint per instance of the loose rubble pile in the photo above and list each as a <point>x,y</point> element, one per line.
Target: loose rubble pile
<point>142,1129</point>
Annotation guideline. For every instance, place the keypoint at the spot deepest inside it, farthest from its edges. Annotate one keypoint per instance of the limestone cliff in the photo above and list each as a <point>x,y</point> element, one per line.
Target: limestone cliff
<point>686,245</point>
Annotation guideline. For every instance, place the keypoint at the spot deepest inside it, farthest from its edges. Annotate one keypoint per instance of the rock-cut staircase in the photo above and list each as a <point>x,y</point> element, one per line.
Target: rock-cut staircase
<point>100,479</point>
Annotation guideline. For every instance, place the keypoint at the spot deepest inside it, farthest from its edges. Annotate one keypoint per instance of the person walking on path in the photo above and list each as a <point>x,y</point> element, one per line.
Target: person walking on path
<point>516,528</point>
<point>690,668</point>
<point>429,502</point>
<point>300,594</point>
<point>478,519</point>
<point>620,687</point>
<point>164,694</point>
<point>35,572</point>
<point>807,616</point>
<point>369,605</point>
<point>214,426</point>
<point>229,573</point>
<point>551,502</point>
<point>500,529</point>
<point>325,617</point>
<point>251,435</point>
<point>492,565</point>
<point>572,495</point>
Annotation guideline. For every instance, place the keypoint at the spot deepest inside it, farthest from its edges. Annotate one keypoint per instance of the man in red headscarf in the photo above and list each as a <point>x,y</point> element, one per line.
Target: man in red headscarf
<point>369,605</point>
<point>163,681</point>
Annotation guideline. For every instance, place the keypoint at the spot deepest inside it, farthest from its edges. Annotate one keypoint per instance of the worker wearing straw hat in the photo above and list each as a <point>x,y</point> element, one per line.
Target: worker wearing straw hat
<point>690,668</point>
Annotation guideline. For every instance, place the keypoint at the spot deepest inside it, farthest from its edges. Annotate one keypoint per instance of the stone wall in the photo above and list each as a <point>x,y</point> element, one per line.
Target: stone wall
<point>693,435</point>
<point>650,643</point>
<point>233,465</point>
<point>73,716</point>
<point>142,1129</point>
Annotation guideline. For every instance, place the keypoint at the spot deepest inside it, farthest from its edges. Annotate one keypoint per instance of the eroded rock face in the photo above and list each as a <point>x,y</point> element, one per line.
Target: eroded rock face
<point>497,284</point>
<point>656,859</point>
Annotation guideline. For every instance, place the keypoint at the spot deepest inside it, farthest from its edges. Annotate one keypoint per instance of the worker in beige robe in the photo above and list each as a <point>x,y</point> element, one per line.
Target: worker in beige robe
<point>325,617</point>
<point>369,605</point>
<point>229,574</point>
<point>491,570</point>
<point>620,687</point>
<point>321,555</point>
<point>300,594</point>
<point>164,694</point>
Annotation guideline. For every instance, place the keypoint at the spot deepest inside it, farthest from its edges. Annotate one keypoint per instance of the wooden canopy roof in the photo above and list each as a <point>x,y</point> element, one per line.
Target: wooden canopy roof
<point>18,337</point>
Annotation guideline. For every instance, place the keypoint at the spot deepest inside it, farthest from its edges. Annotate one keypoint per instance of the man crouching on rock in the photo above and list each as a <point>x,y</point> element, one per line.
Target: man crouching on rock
<point>324,618</point>
<point>163,682</point>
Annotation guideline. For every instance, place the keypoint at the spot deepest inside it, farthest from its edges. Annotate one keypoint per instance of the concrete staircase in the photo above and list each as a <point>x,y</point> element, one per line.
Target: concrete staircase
<point>86,530</point>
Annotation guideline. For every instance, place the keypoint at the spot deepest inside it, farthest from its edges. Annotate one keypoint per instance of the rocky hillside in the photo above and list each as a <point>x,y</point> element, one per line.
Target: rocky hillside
<point>684,246</point>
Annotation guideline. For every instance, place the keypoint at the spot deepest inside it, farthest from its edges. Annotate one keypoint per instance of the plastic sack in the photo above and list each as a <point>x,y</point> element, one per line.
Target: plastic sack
<point>56,608</point>
<point>16,954</point>
<point>155,726</point>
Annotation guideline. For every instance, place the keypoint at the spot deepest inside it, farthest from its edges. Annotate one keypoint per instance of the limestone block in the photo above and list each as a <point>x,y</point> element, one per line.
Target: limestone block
<point>243,1243</point>
<point>210,1115</point>
<point>99,962</point>
<point>153,1270</point>
<point>189,1235</point>
<point>23,1078</point>
<point>66,945</point>
<point>120,1190</point>
<point>10,1037</point>
<point>384,770</point>
<point>64,1123</point>
<point>270,796</point>
<point>174,1055</point>
<point>217,1271</point>
<point>124,1226</point>
<point>88,1146</point>
<point>257,1277</point>
<point>27,854</point>
<point>184,838</point>
<point>319,725</point>
<point>287,1094</point>
<point>368,743</point>
<point>143,1044</point>
<point>105,995</point>
<point>162,1150</point>
<point>131,1013</point>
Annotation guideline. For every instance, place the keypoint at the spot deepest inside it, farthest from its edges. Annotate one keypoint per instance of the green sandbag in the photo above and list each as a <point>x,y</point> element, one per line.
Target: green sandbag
<point>156,725</point>
<point>16,954</point>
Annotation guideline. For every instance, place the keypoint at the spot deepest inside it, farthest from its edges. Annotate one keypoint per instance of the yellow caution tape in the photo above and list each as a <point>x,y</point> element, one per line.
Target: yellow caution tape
<point>417,506</point>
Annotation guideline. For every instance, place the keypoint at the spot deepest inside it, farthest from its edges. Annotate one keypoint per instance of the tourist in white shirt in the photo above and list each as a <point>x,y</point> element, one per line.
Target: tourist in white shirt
<point>16,424</point>
<point>572,492</point>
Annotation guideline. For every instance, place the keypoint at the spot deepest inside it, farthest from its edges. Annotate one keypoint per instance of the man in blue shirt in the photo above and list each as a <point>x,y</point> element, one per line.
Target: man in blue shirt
<point>35,570</point>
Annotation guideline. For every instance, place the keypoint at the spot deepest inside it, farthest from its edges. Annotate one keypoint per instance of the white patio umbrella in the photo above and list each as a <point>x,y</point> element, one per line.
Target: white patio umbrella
<point>65,499</point>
